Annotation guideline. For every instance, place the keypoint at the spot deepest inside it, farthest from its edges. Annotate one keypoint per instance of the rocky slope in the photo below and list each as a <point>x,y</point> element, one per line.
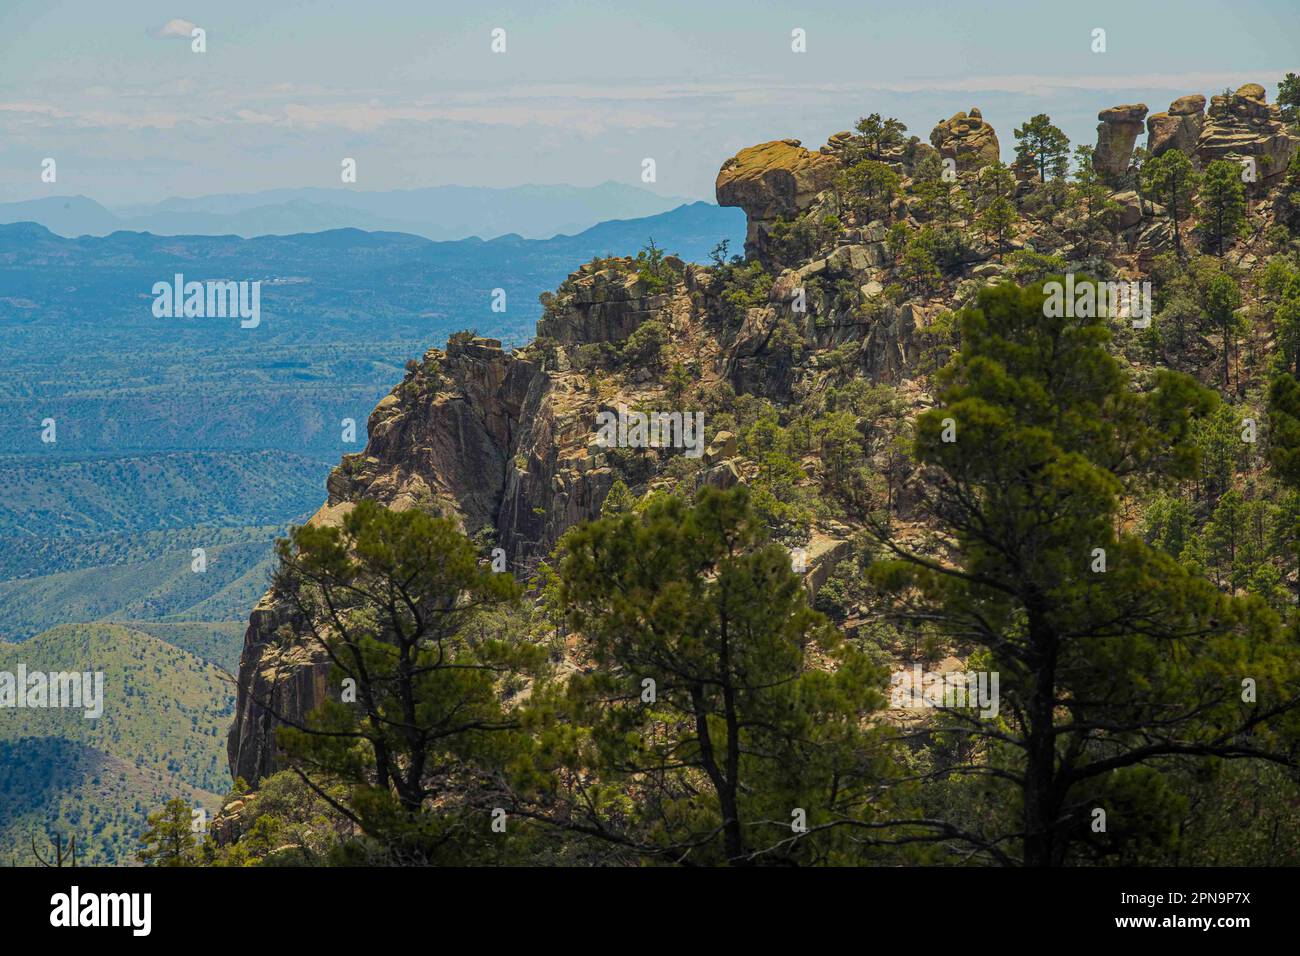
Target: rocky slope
<point>506,442</point>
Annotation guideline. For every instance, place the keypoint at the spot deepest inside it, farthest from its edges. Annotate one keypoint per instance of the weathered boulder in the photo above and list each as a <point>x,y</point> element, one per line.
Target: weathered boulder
<point>1179,128</point>
<point>854,258</point>
<point>722,475</point>
<point>966,138</point>
<point>1117,130</point>
<point>1132,209</point>
<point>1243,125</point>
<point>1193,104</point>
<point>822,554</point>
<point>771,180</point>
<point>723,446</point>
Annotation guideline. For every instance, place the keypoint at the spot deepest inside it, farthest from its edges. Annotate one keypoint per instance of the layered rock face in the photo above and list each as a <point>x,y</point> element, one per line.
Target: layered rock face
<point>1179,128</point>
<point>1117,130</point>
<point>771,180</point>
<point>968,139</point>
<point>1243,124</point>
<point>1239,126</point>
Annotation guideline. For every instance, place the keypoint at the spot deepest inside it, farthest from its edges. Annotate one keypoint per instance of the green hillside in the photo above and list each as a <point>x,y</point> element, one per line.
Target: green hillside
<point>165,587</point>
<point>54,787</point>
<point>162,733</point>
<point>54,494</point>
<point>28,556</point>
<point>217,642</point>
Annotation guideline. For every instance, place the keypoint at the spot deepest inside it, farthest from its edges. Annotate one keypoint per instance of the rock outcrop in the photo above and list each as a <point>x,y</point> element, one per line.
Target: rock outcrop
<point>1239,126</point>
<point>1117,130</point>
<point>968,139</point>
<point>1179,128</point>
<point>771,180</point>
<point>505,442</point>
<point>1243,125</point>
<point>605,304</point>
<point>497,440</point>
<point>278,677</point>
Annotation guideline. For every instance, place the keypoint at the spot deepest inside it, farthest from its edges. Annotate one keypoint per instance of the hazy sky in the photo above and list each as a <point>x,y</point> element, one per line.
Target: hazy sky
<point>584,91</point>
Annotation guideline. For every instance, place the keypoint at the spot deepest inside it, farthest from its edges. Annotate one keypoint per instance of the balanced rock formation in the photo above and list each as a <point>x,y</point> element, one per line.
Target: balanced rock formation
<point>1242,125</point>
<point>771,180</point>
<point>1117,130</point>
<point>966,138</point>
<point>838,144</point>
<point>1179,128</point>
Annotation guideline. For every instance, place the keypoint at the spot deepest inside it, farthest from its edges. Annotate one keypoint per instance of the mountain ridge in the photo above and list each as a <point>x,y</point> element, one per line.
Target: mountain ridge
<point>439,213</point>
<point>504,441</point>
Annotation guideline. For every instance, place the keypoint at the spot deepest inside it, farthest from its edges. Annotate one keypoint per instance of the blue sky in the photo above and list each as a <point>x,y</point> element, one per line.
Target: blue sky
<point>585,91</point>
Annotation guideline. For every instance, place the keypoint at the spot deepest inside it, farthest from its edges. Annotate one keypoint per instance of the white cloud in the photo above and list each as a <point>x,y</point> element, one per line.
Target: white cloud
<point>174,28</point>
<point>366,117</point>
<point>41,109</point>
<point>1031,83</point>
<point>758,89</point>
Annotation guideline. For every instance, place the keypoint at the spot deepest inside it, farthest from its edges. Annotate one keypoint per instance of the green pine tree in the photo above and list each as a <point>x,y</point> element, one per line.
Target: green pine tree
<point>169,841</point>
<point>880,135</point>
<point>1222,297</point>
<point>1223,204</point>
<point>1170,180</point>
<point>1112,657</point>
<point>1043,145</point>
<point>722,720</point>
<point>415,624</point>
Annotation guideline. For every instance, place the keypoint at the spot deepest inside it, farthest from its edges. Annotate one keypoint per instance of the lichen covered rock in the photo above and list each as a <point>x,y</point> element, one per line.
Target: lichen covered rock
<point>771,180</point>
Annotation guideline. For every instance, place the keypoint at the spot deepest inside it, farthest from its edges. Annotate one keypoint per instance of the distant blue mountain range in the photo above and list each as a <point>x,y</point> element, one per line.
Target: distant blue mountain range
<point>341,311</point>
<point>439,212</point>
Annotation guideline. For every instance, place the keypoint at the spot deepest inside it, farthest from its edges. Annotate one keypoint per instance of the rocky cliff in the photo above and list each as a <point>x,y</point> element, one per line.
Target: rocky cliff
<point>833,291</point>
<point>503,441</point>
<point>1242,125</point>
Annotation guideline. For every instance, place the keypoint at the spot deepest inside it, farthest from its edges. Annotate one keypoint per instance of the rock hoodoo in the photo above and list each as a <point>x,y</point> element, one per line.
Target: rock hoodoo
<point>771,180</point>
<point>1117,130</point>
<point>1179,128</point>
<point>968,139</point>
